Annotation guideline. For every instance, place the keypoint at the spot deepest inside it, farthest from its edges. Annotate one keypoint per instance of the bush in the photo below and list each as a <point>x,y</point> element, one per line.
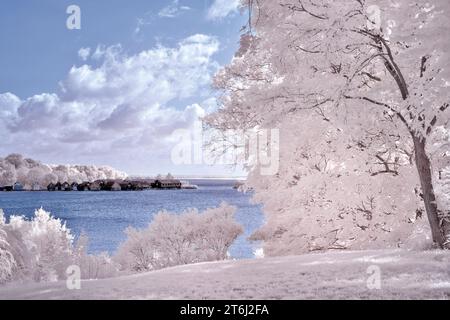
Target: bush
<point>41,249</point>
<point>172,239</point>
<point>93,266</point>
<point>7,262</point>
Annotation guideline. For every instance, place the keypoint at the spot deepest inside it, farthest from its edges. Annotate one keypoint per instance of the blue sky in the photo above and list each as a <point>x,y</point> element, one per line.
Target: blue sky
<point>113,92</point>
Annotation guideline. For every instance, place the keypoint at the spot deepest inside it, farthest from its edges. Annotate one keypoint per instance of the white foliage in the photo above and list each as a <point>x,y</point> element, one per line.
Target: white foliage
<point>443,196</point>
<point>7,262</point>
<point>93,266</point>
<point>443,189</point>
<point>440,152</point>
<point>173,239</point>
<point>41,249</point>
<point>316,72</point>
<point>16,168</point>
<point>48,245</point>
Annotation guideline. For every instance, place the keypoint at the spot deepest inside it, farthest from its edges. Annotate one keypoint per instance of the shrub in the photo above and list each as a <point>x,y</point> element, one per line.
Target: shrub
<point>7,262</point>
<point>41,249</point>
<point>172,239</point>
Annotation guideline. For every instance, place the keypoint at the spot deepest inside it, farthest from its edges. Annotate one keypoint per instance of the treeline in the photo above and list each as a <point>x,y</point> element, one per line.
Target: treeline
<point>15,168</point>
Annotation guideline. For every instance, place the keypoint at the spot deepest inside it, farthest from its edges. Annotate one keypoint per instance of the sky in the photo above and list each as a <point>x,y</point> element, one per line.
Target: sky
<point>116,90</point>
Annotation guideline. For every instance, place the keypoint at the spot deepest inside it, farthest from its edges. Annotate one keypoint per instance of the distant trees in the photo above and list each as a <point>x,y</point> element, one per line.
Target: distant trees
<point>7,174</point>
<point>173,239</point>
<point>169,176</point>
<point>358,98</point>
<point>16,168</point>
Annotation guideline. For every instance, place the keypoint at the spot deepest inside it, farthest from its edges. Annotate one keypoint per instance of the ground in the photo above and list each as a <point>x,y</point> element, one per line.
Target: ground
<point>332,275</point>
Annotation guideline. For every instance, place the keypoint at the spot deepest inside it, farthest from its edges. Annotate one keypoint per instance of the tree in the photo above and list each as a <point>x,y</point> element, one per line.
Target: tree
<point>51,245</point>
<point>381,83</point>
<point>7,174</point>
<point>169,176</point>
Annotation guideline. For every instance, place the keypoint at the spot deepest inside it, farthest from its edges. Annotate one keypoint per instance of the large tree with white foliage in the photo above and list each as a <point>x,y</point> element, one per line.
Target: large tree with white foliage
<point>360,92</point>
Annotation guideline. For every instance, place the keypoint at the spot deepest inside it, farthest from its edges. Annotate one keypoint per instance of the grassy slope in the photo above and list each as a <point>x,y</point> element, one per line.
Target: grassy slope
<point>334,275</point>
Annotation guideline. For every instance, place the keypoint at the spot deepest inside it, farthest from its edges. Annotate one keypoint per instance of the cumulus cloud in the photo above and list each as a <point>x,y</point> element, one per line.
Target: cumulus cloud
<point>173,10</point>
<point>9,104</point>
<point>125,108</point>
<point>222,8</point>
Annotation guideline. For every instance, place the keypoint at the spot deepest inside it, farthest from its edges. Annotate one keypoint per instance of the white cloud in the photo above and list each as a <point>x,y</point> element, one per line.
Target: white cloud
<point>222,8</point>
<point>119,112</point>
<point>173,10</point>
<point>9,104</point>
<point>84,53</point>
<point>142,22</point>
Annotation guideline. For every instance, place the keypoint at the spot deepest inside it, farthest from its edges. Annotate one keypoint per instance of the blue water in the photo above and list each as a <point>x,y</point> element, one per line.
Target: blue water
<point>104,216</point>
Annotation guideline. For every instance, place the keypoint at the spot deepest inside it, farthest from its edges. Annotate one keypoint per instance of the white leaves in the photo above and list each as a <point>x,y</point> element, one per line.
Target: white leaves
<point>339,108</point>
<point>174,239</point>
<point>16,168</point>
<point>7,261</point>
<point>443,190</point>
<point>41,249</point>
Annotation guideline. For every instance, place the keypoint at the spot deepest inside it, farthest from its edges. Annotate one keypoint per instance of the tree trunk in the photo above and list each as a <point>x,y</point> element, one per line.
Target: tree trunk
<point>440,225</point>
<point>440,229</point>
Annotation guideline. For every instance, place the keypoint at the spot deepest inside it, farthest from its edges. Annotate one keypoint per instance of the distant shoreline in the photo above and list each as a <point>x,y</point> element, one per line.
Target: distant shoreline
<point>130,184</point>
<point>196,178</point>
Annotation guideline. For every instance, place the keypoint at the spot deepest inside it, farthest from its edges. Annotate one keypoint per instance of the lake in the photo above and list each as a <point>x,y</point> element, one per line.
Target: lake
<point>104,216</point>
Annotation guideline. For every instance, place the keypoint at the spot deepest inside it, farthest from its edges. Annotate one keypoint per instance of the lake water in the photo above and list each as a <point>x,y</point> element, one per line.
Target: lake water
<point>104,216</point>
